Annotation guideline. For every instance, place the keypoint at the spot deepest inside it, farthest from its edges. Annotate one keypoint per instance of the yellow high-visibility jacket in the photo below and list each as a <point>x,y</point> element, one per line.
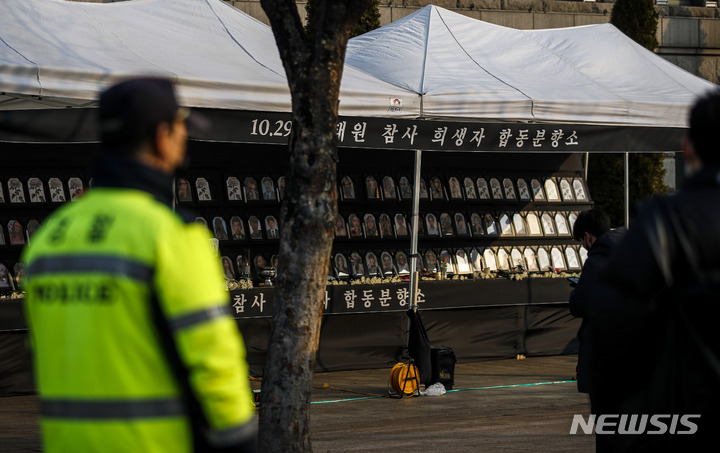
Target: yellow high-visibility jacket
<point>134,348</point>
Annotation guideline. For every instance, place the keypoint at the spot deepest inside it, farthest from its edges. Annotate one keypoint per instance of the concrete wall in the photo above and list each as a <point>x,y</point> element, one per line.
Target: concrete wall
<point>688,36</point>
<point>521,14</point>
<point>692,43</point>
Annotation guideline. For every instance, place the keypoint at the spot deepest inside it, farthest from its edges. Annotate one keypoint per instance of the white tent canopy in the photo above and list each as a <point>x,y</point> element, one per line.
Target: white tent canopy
<point>434,65</point>
<point>55,53</point>
<point>466,68</point>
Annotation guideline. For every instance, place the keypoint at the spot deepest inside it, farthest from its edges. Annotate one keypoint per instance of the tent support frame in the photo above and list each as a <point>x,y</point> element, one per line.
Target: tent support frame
<point>414,230</point>
<point>414,239</point>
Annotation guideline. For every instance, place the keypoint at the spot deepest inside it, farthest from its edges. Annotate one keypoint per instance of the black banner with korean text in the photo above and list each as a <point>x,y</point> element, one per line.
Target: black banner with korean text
<point>79,126</point>
<point>394,297</point>
<point>439,135</point>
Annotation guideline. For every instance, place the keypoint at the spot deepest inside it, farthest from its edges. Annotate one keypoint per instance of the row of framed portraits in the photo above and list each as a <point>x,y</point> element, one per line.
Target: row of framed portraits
<point>551,189</point>
<point>453,188</point>
<point>246,266</point>
<point>33,190</point>
<point>388,263</point>
<point>11,281</point>
<point>449,224</point>
<point>17,233</point>
<point>396,225</point>
<point>460,261</point>
<point>236,228</point>
<point>236,190</point>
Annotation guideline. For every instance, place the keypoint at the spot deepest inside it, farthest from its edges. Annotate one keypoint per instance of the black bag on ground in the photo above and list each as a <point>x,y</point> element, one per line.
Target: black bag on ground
<point>443,366</point>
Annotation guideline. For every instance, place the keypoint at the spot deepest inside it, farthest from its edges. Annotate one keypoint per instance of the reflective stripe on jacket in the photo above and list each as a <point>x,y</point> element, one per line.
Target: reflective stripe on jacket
<point>130,328</point>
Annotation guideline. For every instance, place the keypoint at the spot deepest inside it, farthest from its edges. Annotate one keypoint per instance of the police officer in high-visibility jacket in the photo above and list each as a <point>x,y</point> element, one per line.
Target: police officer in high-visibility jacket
<point>134,347</point>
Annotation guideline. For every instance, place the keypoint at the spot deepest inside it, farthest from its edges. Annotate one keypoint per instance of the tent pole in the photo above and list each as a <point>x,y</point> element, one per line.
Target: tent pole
<point>414,232</point>
<point>627,190</point>
<point>414,242</point>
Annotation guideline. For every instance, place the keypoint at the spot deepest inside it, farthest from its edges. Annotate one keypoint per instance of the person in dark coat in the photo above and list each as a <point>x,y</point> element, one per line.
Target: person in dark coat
<point>592,230</point>
<point>656,345</point>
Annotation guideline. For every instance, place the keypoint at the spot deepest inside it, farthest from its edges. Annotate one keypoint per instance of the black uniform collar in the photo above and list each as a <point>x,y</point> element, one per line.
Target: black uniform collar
<point>127,173</point>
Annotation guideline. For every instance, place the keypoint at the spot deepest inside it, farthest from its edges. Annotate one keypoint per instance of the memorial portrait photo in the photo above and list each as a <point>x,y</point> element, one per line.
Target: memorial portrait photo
<point>405,188</point>
<point>432,225</point>
<point>401,229</point>
<point>476,226</point>
<point>237,228</point>
<point>341,266</point>
<point>340,229</point>
<point>228,269</point>
<point>251,190</point>
<point>348,188</point>
<point>431,263</point>
<point>16,190</point>
<point>356,264</point>
<point>401,262</point>
<point>446,224</point>
<point>183,190</point>
<point>371,229</point>
<point>268,189</point>
<point>387,263</point>
<point>523,189</point>
<point>372,189</point>
<point>255,228</point>
<point>77,188</point>
<point>271,228</point>
<point>386,229</point>
<point>437,191</point>
<point>281,187</point>
<point>234,190</point>
<point>37,192</point>
<point>260,263</point>
<point>371,263</point>
<point>203,189</point>
<point>470,192</point>
<point>355,226</point>
<point>220,229</point>
<point>16,235</point>
<point>455,190</point>
<point>483,191</point>
<point>389,190</point>
<point>460,224</point>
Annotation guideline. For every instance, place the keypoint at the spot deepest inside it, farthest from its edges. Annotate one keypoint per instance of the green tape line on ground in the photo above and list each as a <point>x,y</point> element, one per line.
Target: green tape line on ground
<point>449,391</point>
<point>513,385</point>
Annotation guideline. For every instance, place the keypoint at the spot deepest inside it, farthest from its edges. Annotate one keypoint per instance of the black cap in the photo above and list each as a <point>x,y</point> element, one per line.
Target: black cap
<point>131,110</point>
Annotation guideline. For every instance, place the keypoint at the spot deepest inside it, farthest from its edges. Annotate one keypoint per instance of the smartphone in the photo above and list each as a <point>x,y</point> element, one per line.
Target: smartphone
<point>573,280</point>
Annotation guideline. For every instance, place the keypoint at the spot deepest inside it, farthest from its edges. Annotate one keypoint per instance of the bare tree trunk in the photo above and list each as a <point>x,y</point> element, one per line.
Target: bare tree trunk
<point>314,68</point>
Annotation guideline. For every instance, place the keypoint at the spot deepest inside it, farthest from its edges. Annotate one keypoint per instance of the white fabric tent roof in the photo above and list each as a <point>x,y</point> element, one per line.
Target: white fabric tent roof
<point>65,53</point>
<point>440,65</point>
<point>466,68</point>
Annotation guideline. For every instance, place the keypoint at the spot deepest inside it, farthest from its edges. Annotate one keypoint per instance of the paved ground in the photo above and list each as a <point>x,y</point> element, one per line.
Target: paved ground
<point>495,406</point>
